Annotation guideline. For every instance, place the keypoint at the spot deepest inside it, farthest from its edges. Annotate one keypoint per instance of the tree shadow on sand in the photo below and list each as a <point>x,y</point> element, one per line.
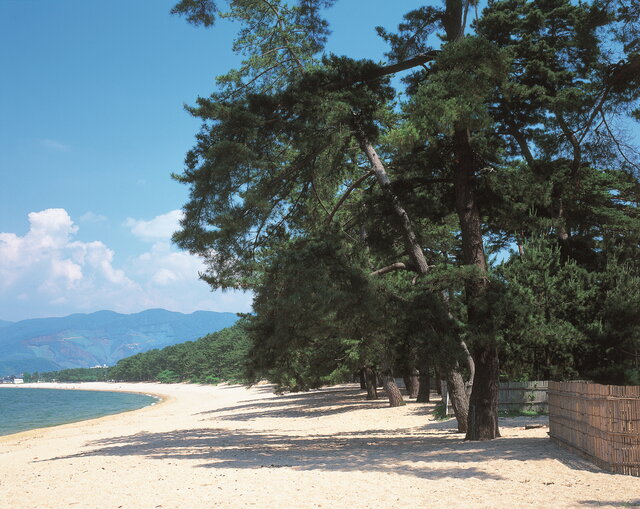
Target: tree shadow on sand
<point>372,450</point>
<point>298,405</point>
<point>333,401</point>
<point>418,452</point>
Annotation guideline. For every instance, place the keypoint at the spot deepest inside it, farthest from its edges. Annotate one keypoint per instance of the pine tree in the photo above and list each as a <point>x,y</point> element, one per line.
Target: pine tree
<point>520,109</point>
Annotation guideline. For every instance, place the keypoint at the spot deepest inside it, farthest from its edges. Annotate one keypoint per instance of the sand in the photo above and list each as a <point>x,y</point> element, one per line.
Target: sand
<point>228,446</point>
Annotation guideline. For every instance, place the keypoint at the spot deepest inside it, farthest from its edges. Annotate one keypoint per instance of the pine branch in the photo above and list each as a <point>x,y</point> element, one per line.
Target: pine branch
<point>391,268</point>
<point>571,138</point>
<point>236,91</point>
<point>386,70</point>
<point>524,146</point>
<point>346,194</point>
<point>624,72</point>
<point>282,30</point>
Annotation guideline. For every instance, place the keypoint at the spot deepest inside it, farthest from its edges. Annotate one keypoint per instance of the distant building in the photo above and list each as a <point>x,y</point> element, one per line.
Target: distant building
<point>18,381</point>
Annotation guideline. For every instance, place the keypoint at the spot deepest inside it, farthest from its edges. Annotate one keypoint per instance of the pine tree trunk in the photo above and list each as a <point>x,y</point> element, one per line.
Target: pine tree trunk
<point>412,383</point>
<point>407,384</point>
<point>363,379</point>
<point>459,399</point>
<point>371,383</point>
<point>483,417</point>
<point>424,388</point>
<point>459,390</point>
<point>483,406</point>
<point>392,390</point>
<point>413,248</point>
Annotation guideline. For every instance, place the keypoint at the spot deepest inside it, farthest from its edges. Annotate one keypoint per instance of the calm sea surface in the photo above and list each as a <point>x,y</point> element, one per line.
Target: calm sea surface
<point>24,409</point>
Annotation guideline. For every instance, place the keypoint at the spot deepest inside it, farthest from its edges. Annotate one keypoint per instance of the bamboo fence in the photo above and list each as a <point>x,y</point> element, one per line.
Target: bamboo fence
<point>523,396</point>
<point>601,422</point>
<point>514,397</point>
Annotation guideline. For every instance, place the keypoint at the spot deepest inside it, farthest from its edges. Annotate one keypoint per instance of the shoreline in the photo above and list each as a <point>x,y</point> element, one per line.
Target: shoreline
<point>159,400</point>
<point>232,447</point>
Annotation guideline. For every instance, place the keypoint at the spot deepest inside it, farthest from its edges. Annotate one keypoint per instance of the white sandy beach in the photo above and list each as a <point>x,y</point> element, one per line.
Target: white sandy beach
<point>228,446</point>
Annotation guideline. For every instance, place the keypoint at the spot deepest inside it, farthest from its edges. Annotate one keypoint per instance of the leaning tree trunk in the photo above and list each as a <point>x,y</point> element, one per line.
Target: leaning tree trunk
<point>483,415</point>
<point>459,399</point>
<point>412,247</point>
<point>459,390</point>
<point>391,389</point>
<point>371,382</point>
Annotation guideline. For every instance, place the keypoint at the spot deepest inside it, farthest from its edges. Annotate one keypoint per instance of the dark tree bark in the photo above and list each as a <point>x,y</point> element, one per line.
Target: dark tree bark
<point>424,386</point>
<point>392,390</point>
<point>459,399</point>
<point>413,248</point>
<point>459,389</point>
<point>363,379</point>
<point>415,387</point>
<point>412,383</point>
<point>483,405</point>
<point>482,423</point>
<point>485,380</point>
<point>418,260</point>
<point>371,382</point>
<point>408,384</point>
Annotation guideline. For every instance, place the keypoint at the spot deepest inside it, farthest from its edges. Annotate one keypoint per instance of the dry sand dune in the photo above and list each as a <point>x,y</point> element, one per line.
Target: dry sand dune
<point>228,446</point>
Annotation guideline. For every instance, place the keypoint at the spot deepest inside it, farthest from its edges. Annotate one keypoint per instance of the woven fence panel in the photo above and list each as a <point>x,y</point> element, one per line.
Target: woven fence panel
<point>602,422</point>
<point>523,396</point>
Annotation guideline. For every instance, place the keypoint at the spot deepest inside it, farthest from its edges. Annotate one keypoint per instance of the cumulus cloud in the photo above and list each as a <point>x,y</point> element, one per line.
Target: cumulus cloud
<point>47,266</point>
<point>48,272</point>
<point>159,228</point>
<point>162,265</point>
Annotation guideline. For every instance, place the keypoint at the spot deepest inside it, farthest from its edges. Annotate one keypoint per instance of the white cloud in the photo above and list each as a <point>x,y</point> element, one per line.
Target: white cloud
<point>92,217</point>
<point>159,228</point>
<point>66,270</point>
<point>50,268</point>
<point>55,145</point>
<point>48,272</point>
<point>51,228</point>
<point>162,265</point>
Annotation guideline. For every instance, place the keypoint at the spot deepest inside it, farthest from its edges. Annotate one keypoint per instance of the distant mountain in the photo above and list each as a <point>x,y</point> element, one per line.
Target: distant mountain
<point>104,337</point>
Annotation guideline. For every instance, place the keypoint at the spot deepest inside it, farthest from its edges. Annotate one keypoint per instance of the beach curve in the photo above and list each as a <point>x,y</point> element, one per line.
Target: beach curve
<point>229,446</point>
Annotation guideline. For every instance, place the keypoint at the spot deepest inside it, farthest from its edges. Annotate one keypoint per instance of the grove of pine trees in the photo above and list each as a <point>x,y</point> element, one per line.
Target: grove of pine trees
<point>479,216</point>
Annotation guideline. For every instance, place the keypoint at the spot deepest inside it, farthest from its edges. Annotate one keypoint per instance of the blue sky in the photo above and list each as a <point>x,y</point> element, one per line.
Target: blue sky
<point>91,126</point>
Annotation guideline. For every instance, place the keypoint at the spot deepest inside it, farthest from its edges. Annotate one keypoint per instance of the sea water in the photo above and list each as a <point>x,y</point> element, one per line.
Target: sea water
<point>23,409</point>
